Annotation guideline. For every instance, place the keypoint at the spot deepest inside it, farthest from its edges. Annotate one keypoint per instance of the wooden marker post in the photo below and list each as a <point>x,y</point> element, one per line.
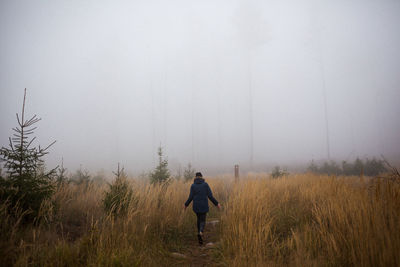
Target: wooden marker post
<point>236,173</point>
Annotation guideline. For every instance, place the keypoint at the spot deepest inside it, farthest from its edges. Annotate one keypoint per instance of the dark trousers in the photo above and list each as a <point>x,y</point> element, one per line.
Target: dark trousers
<point>201,221</point>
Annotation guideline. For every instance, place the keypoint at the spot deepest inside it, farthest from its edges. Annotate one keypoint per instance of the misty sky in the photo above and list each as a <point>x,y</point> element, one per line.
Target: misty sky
<point>112,80</point>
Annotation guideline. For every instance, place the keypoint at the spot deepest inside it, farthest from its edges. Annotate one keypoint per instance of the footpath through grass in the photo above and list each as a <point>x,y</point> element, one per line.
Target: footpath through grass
<point>208,254</point>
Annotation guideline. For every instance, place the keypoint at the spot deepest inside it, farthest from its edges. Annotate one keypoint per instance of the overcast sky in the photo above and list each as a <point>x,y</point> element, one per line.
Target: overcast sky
<point>214,82</point>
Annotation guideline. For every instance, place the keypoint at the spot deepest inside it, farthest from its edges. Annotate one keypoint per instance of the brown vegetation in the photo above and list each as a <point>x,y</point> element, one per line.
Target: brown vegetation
<point>300,220</point>
<point>309,220</point>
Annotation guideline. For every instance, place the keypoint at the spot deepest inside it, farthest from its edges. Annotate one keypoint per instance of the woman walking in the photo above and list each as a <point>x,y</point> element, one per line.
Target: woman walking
<point>199,192</point>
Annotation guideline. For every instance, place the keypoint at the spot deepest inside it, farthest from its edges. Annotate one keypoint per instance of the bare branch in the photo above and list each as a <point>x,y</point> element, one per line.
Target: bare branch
<point>392,168</point>
<point>31,141</point>
<point>49,145</point>
<point>19,122</point>
<point>23,106</point>
<point>16,130</point>
<point>33,120</point>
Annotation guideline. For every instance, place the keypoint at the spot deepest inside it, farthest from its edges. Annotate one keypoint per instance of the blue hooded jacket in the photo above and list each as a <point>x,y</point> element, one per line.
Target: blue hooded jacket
<point>199,192</point>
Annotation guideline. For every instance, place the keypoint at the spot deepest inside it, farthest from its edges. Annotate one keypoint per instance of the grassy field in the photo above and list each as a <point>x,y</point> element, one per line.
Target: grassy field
<point>297,220</point>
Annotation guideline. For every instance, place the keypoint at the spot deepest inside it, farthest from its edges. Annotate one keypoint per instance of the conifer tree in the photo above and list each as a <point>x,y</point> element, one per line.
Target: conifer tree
<point>119,195</point>
<point>61,177</point>
<point>189,173</point>
<point>26,183</point>
<point>161,172</point>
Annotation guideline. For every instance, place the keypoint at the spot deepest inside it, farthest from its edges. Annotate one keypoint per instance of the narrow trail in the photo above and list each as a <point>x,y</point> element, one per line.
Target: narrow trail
<point>201,255</point>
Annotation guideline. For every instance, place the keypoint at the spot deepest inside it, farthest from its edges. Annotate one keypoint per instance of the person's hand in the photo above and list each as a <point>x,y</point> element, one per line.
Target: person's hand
<point>184,207</point>
<point>219,206</point>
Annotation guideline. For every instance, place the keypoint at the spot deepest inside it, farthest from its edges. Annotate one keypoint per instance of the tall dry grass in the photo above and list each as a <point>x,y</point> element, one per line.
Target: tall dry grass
<point>299,220</point>
<point>309,220</point>
<point>78,232</point>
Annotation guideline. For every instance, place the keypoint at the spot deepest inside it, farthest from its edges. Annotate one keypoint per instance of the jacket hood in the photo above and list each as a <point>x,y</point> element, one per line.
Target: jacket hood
<point>198,180</point>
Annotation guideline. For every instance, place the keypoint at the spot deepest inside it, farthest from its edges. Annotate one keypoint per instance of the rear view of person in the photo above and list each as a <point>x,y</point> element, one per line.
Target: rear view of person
<point>200,192</point>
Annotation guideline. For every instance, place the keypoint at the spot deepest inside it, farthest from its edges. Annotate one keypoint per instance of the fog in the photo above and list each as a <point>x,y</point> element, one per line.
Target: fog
<point>215,83</point>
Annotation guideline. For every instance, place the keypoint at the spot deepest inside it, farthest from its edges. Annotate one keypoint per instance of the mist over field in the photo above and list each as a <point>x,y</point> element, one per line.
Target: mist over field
<point>215,83</point>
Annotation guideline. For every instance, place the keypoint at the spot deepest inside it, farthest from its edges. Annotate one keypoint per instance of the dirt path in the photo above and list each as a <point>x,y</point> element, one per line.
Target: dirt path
<point>201,255</point>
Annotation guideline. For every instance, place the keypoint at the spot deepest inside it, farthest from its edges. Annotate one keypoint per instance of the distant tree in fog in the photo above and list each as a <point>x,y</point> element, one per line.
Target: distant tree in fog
<point>278,172</point>
<point>189,173</point>
<point>61,177</point>
<point>161,172</point>
<point>313,167</point>
<point>369,167</point>
<point>81,177</point>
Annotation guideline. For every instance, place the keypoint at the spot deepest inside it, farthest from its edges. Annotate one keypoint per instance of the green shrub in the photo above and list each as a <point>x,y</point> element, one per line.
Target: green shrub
<point>119,195</point>
<point>278,172</point>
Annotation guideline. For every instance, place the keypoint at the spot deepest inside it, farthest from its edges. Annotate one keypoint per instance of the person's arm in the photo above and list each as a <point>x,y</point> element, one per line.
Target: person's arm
<point>190,198</point>
<point>211,197</point>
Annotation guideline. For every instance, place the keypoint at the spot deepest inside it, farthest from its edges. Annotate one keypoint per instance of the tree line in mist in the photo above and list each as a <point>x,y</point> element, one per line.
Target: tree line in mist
<point>27,184</point>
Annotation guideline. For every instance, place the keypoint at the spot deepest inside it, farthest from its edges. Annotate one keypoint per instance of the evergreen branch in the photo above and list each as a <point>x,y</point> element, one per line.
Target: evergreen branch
<point>19,122</point>
<point>32,121</point>
<point>11,144</point>
<point>29,131</point>
<point>31,142</point>
<point>17,130</point>
<point>50,145</point>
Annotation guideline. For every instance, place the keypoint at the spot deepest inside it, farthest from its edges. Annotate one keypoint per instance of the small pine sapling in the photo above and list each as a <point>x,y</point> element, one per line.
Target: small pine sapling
<point>119,195</point>
<point>26,183</point>
<point>161,173</point>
